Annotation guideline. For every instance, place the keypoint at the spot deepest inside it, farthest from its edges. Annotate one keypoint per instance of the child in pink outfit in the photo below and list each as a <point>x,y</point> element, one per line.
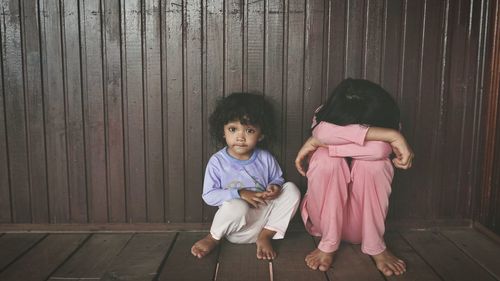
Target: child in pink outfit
<point>350,173</point>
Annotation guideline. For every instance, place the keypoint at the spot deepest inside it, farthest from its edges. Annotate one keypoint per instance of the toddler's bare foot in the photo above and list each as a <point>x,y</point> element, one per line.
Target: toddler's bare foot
<point>204,246</point>
<point>389,264</point>
<point>264,246</point>
<point>318,259</point>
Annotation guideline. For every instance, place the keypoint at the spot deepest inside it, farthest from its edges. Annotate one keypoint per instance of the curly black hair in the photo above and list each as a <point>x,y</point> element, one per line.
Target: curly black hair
<point>249,109</point>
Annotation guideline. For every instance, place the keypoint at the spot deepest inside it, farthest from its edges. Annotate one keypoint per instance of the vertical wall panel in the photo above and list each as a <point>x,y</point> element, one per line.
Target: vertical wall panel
<point>77,180</point>
<point>54,108</point>
<point>114,110</point>
<point>105,104</point>
<point>14,98</point>
<point>213,76</point>
<point>34,112</point>
<point>5,199</point>
<point>233,49</point>
<point>174,110</point>
<point>193,110</point>
<point>294,85</point>
<point>153,124</point>
<point>134,110</point>
<point>254,46</point>
<point>273,68</point>
<point>93,102</point>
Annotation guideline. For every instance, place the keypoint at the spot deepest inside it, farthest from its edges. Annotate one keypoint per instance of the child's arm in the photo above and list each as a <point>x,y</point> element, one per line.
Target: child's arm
<point>213,193</point>
<point>350,141</point>
<point>403,151</point>
<point>370,151</point>
<point>404,154</point>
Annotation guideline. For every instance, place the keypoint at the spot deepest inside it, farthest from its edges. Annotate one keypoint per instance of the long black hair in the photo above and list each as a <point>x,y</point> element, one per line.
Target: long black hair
<point>358,101</point>
<point>249,109</point>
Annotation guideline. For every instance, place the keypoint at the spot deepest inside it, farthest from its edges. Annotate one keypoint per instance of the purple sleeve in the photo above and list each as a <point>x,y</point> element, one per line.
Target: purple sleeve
<point>332,134</point>
<point>213,193</point>
<point>275,173</point>
<point>371,150</point>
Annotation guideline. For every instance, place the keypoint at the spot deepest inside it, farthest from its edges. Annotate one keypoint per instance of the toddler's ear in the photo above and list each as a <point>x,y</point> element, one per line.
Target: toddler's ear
<point>261,137</point>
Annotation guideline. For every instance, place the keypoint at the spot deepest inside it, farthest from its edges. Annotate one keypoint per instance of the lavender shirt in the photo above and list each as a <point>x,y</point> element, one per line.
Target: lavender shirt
<point>225,175</point>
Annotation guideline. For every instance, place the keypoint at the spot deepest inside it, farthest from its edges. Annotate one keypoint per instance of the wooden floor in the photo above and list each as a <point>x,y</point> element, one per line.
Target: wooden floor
<point>447,254</point>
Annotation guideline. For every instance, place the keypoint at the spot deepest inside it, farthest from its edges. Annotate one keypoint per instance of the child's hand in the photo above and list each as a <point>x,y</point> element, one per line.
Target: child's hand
<point>272,192</point>
<point>404,153</point>
<point>253,198</point>
<point>305,152</point>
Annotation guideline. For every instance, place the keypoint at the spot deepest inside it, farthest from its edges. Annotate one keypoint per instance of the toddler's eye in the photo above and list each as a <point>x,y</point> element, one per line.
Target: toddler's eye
<point>250,131</point>
<point>231,129</point>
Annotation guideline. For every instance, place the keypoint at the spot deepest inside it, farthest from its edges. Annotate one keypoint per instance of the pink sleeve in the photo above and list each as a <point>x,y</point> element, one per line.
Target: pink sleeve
<point>332,134</point>
<point>371,150</point>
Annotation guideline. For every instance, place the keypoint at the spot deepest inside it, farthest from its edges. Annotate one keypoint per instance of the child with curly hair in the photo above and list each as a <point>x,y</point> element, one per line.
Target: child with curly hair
<point>244,180</point>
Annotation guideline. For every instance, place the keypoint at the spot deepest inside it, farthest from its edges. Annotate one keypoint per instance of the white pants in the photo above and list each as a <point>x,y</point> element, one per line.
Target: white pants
<point>241,223</point>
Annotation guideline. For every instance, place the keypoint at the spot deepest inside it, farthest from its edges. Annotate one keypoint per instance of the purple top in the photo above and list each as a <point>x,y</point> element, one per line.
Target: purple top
<point>225,175</point>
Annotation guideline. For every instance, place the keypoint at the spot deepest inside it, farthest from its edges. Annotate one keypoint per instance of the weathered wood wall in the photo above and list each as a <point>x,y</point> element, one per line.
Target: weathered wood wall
<point>104,105</point>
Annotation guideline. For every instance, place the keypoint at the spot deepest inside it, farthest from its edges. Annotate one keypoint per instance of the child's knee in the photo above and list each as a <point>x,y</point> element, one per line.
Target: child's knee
<point>322,163</point>
<point>291,191</point>
<point>234,209</point>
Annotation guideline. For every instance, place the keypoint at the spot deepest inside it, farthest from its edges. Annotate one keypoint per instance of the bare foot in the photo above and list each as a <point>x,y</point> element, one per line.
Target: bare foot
<point>318,259</point>
<point>204,246</point>
<point>389,264</point>
<point>265,249</point>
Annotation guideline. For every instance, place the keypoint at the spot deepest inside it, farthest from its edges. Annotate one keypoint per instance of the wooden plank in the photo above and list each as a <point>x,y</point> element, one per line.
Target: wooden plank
<point>77,183</point>
<point>372,55</point>
<point>5,202</point>
<point>233,57</point>
<point>93,101</point>
<point>290,264</point>
<point>173,116</point>
<point>134,110</point>
<point>34,113</point>
<point>54,108</point>
<point>392,53</point>
<point>13,246</point>
<point>14,106</point>
<point>44,258</point>
<point>355,21</point>
<point>238,262</point>
<point>428,131</point>
<point>141,258</point>
<point>480,248</point>
<point>294,87</point>
<point>181,265</point>
<point>93,258</point>
<point>337,36</point>
<point>114,109</point>
<point>446,259</point>
<point>273,69</point>
<point>193,106</point>
<point>313,64</point>
<point>352,264</point>
<point>153,112</point>
<point>253,73</point>
<point>213,78</point>
<point>407,99</point>
<point>416,267</point>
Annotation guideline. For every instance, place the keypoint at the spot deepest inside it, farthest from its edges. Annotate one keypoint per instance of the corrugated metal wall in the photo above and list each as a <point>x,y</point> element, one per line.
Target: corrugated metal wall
<point>104,105</point>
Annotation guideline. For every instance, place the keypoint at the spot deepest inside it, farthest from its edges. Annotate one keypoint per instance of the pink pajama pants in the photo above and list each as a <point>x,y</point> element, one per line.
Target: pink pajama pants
<point>347,203</point>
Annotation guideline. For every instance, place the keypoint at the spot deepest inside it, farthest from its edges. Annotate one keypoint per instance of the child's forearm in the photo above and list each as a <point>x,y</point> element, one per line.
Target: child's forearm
<point>383,134</point>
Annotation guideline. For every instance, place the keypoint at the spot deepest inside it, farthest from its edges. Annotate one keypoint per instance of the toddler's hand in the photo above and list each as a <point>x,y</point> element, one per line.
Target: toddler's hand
<point>272,192</point>
<point>305,151</point>
<point>253,198</point>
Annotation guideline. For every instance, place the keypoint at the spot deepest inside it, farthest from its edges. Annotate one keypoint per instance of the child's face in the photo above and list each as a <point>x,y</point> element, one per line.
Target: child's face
<point>241,139</point>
